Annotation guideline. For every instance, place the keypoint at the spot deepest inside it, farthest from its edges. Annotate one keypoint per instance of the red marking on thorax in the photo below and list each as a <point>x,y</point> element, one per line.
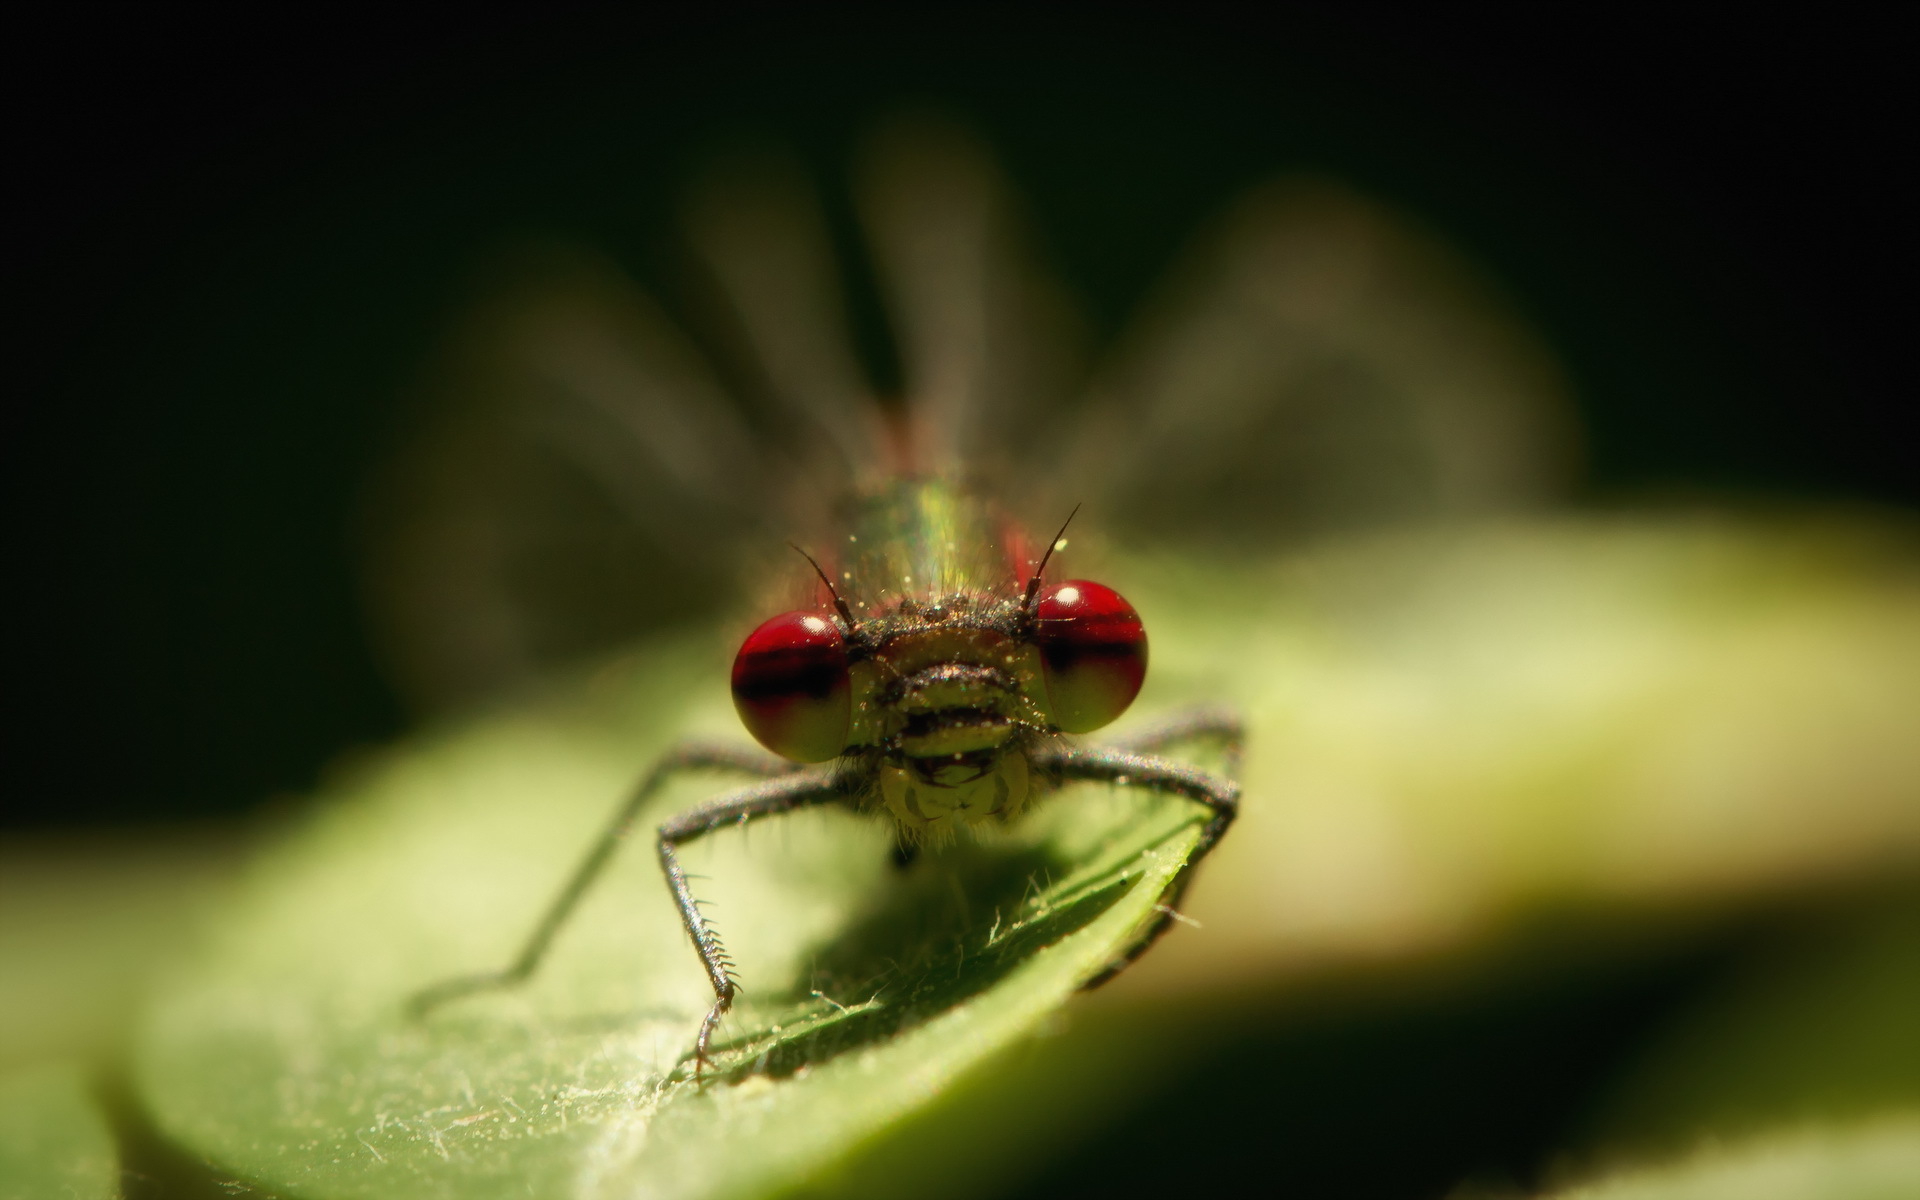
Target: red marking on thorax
<point>1016,546</point>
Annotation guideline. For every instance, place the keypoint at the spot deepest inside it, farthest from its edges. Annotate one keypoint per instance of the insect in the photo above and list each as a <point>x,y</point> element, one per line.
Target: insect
<point>939,688</point>
<point>1321,374</point>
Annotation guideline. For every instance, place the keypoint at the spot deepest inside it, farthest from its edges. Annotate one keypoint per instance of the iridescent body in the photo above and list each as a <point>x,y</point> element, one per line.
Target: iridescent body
<point>948,694</point>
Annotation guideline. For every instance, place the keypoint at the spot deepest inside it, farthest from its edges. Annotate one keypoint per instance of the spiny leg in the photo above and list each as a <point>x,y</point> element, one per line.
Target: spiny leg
<point>803,789</point>
<point>684,756</point>
<point>1220,796</point>
<point>1201,723</point>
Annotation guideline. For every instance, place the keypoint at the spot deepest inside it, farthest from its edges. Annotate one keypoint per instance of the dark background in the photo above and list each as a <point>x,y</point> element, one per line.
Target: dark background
<point>230,243</point>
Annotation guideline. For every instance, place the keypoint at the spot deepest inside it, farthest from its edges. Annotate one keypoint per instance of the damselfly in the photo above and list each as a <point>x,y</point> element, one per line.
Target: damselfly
<point>939,688</point>
<point>934,677</point>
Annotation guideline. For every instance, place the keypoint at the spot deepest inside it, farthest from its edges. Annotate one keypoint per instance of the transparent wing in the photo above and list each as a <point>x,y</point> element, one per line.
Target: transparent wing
<point>1316,362</point>
<point>580,474</point>
<point>989,344</point>
<point>574,475</point>
<point>756,224</point>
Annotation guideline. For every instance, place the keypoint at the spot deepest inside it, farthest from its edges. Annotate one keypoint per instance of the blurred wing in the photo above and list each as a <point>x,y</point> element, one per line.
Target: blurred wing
<point>579,475</point>
<point>758,228</point>
<point>989,346</point>
<point>576,476</point>
<point>1317,363</point>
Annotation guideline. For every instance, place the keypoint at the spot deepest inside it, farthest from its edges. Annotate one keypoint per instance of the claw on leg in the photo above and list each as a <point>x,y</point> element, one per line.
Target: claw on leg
<point>702,1061</point>
<point>801,789</point>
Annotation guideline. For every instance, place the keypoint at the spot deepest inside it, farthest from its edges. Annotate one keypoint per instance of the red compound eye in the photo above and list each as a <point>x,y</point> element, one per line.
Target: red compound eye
<point>791,689</point>
<point>1094,651</point>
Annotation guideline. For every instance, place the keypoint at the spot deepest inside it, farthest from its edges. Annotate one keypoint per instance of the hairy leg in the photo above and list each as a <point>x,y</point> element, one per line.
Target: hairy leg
<point>683,757</point>
<point>1130,767</point>
<point>1201,724</point>
<point>802,789</point>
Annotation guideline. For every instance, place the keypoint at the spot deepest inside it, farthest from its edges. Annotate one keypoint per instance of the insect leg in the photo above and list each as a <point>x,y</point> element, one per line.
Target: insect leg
<point>1220,796</point>
<point>684,756</point>
<point>1201,723</point>
<point>803,789</point>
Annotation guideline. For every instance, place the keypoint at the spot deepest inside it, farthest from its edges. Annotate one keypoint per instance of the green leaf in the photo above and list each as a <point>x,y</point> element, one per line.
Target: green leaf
<point>53,1139</point>
<point>84,921</point>
<point>283,1054</point>
<point>1449,731</point>
<point>1875,1161</point>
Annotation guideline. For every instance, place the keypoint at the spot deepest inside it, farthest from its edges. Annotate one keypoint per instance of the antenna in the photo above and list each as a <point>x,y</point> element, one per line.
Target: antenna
<point>839,605</point>
<point>1033,584</point>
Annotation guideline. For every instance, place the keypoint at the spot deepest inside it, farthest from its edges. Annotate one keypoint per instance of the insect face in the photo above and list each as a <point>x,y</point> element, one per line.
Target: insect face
<point>950,714</point>
<point>938,702</point>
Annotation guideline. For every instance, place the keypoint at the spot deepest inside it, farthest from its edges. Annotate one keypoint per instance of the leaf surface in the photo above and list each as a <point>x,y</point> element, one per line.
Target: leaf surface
<point>53,1139</point>
<point>284,1056</point>
<point>1448,731</point>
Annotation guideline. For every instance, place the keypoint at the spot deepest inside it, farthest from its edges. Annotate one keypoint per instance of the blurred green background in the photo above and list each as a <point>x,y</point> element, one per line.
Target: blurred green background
<point>234,244</point>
